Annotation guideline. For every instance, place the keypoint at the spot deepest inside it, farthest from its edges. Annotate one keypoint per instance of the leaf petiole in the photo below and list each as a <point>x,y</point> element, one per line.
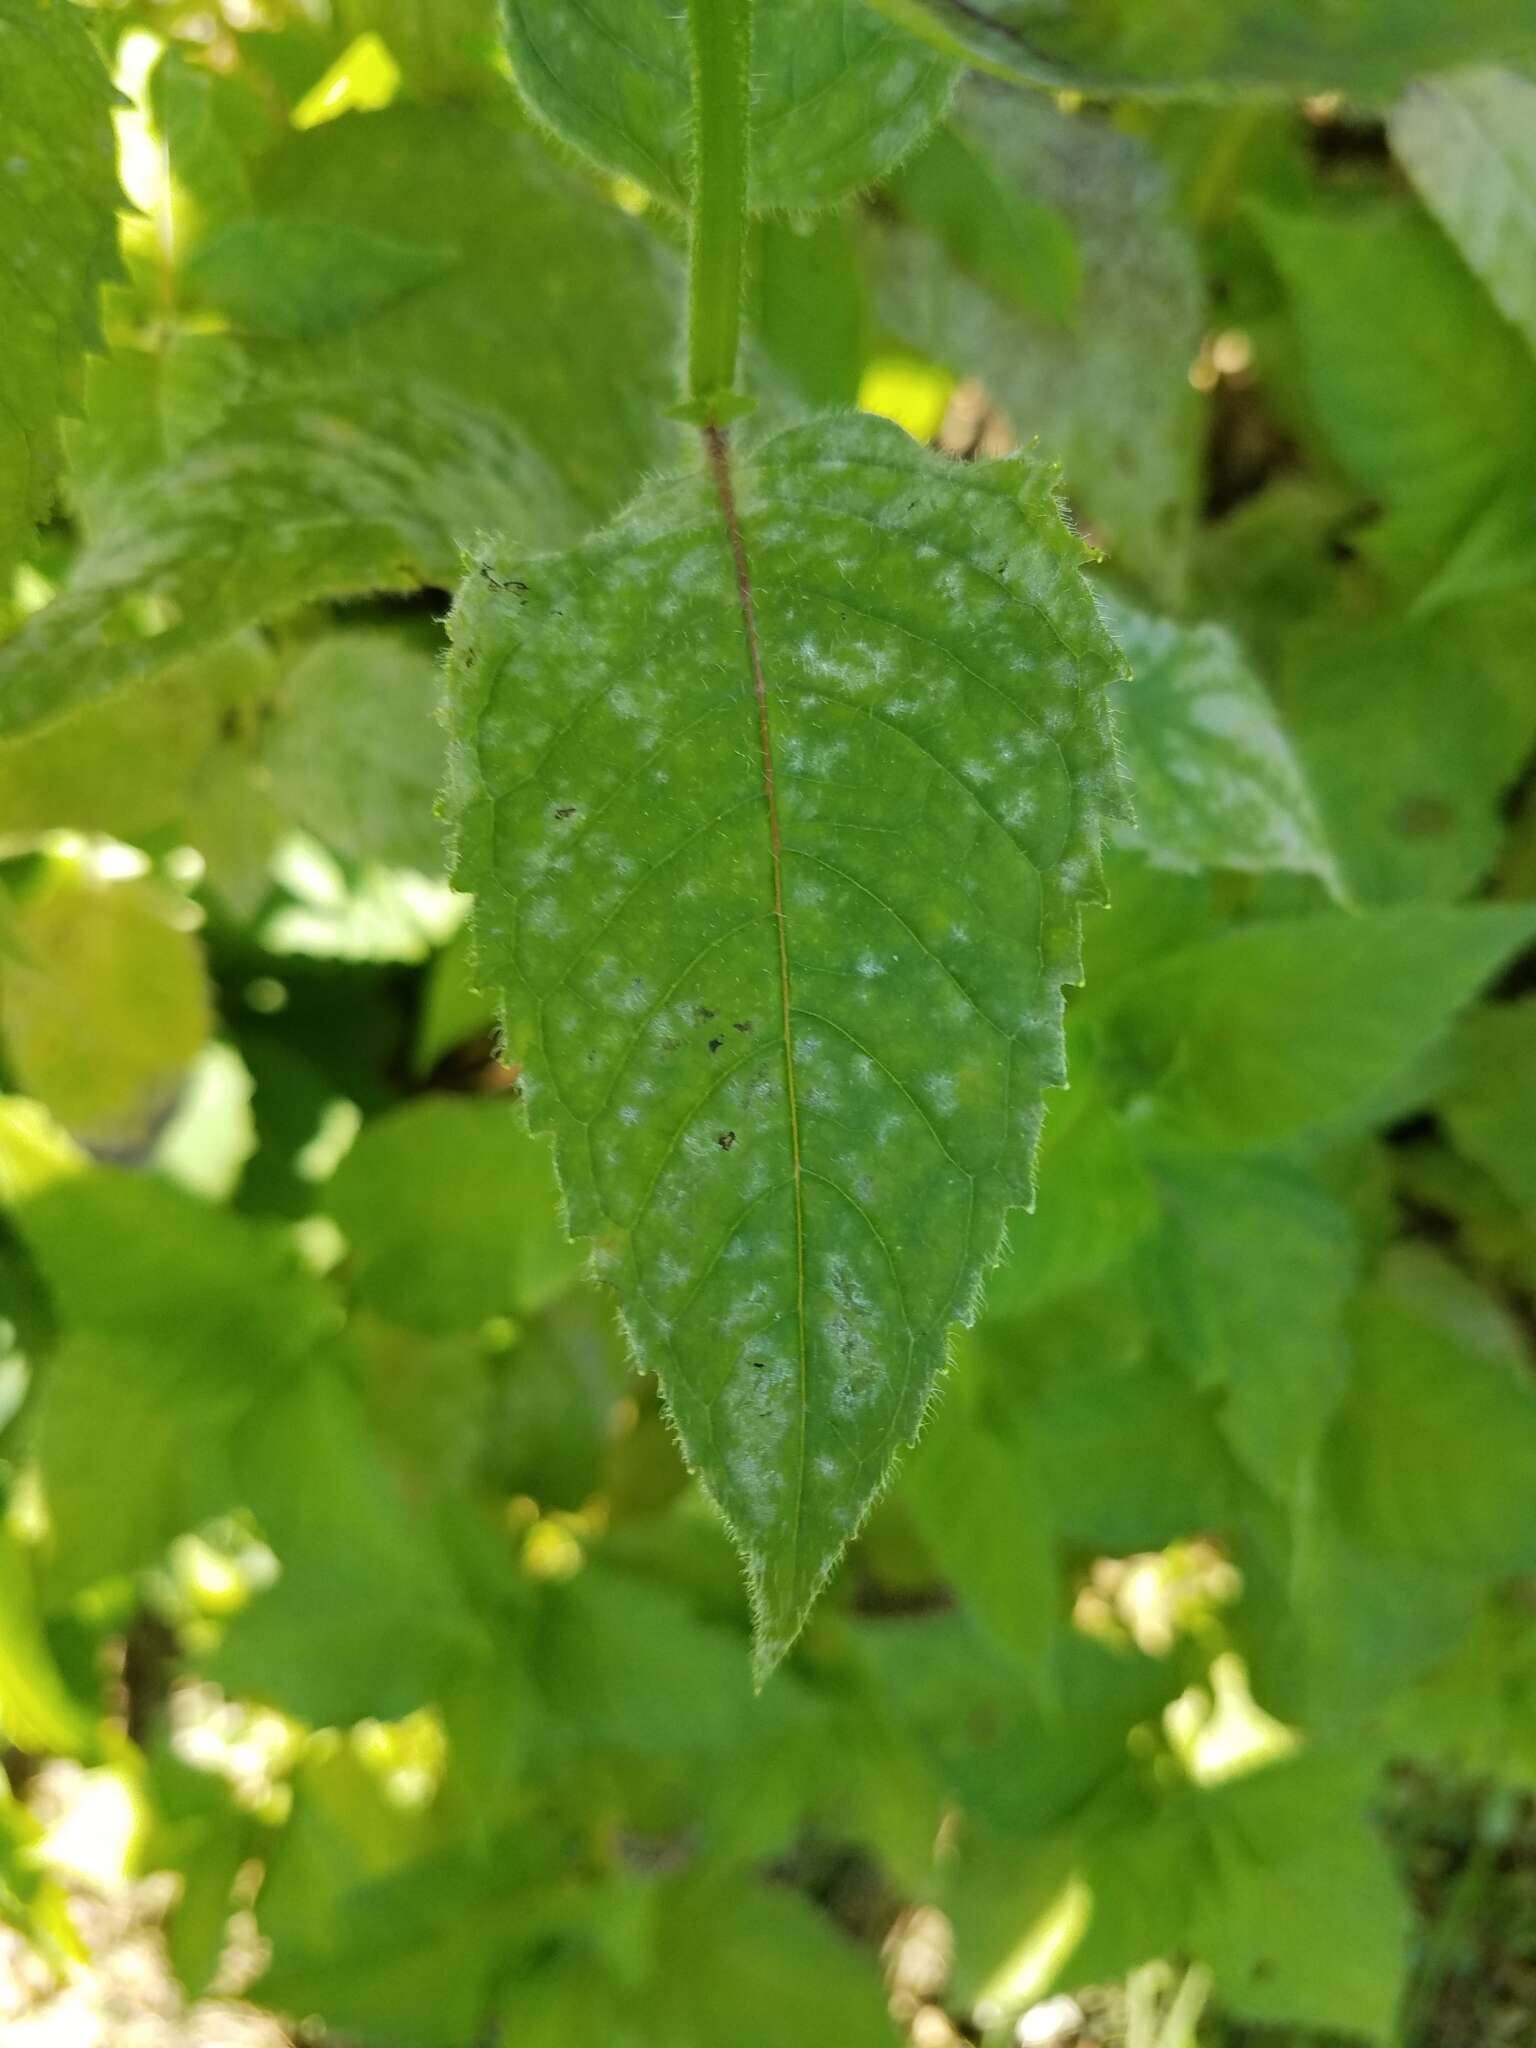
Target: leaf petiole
<point>720,40</point>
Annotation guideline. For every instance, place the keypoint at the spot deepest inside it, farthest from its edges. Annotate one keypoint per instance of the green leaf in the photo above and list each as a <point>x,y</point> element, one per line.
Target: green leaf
<point>1411,731</point>
<point>542,362</point>
<point>1435,1448</point>
<point>1023,252</point>
<point>1109,395</point>
<point>361,461</point>
<point>1478,1708</point>
<point>58,226</point>
<point>730,1089</point>
<point>199,1832</point>
<point>1274,1028</point>
<point>1201,49</point>
<point>808,303</point>
<point>982,1509</point>
<point>1095,1201</point>
<point>1009,1759</point>
<point>321,493</point>
<point>1132,1457</point>
<point>1300,1915</point>
<point>625,1664</point>
<point>450,1211</point>
<point>552,1412</point>
<point>375,1919</point>
<point>764,1966</point>
<point>1468,141</point>
<point>1490,1102</point>
<point>1428,416</point>
<point>453,1011</point>
<point>103,1003</point>
<point>178,762</point>
<point>1497,552</point>
<point>1370,1621</point>
<point>1248,1277</point>
<point>195,118</point>
<point>357,757</point>
<point>365,1619</point>
<point>838,95</point>
<point>1214,779</point>
<point>38,1713</point>
<point>445,48</point>
<point>297,279</point>
<point>180,1319</point>
<point>145,407</point>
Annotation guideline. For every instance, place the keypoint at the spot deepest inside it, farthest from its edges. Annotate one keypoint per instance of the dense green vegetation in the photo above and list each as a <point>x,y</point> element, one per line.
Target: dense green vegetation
<point>556,863</point>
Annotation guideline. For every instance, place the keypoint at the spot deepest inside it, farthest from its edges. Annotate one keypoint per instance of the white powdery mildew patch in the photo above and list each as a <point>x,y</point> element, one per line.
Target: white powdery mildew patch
<point>931,768</point>
<point>852,1329</point>
<point>943,1091</point>
<point>1218,779</point>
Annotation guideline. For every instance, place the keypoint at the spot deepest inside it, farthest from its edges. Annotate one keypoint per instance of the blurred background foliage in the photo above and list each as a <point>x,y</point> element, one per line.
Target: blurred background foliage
<point>359,1628</point>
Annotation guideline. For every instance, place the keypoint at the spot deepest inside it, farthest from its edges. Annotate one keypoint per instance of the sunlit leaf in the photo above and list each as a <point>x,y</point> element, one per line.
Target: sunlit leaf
<point>364,1618</point>
<point>103,1004</point>
<point>180,1318</point>
<point>332,490</point>
<point>58,226</point>
<point>443,47</point>
<point>449,1208</point>
<point>694,904</point>
<point>363,460</point>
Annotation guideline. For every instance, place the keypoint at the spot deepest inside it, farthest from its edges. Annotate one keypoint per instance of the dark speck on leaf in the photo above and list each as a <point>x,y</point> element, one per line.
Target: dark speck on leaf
<point>1423,817</point>
<point>704,1015</point>
<point>715,1044</point>
<point>742,1024</point>
<point>565,810</point>
<point>725,1140</point>
<point>758,1364</point>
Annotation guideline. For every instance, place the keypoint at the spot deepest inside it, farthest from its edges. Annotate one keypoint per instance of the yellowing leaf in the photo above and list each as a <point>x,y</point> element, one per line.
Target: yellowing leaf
<point>58,228</point>
<point>105,1006</point>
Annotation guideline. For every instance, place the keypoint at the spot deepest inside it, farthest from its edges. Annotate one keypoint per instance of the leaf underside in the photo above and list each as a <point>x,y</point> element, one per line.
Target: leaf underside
<point>794,1139</point>
<point>1468,142</point>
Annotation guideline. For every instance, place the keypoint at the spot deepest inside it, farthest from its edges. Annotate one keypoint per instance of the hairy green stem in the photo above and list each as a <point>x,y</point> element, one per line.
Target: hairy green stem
<point>720,34</point>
